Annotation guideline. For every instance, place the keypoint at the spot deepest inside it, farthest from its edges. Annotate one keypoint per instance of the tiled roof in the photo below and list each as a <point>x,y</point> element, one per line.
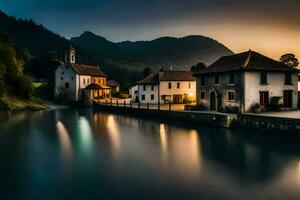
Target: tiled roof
<point>247,61</point>
<point>94,86</point>
<point>168,75</point>
<point>88,70</point>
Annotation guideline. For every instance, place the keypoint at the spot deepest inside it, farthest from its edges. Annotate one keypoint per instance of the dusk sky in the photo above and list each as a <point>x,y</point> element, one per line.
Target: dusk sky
<point>268,26</point>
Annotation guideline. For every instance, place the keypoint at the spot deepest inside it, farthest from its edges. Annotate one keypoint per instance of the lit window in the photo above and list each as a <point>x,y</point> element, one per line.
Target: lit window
<point>178,85</point>
<point>170,85</point>
<point>231,96</point>
<point>84,81</point>
<point>189,85</point>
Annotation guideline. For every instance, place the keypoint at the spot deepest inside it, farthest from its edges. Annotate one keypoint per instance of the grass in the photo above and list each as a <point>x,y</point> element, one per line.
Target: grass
<point>13,103</point>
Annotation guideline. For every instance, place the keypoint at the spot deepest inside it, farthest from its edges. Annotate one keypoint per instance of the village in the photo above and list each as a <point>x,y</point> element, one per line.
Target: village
<point>248,84</point>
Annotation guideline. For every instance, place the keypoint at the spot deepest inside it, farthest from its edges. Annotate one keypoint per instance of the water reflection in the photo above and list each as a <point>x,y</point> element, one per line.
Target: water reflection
<point>85,134</point>
<point>114,135</point>
<point>157,157</point>
<point>65,142</point>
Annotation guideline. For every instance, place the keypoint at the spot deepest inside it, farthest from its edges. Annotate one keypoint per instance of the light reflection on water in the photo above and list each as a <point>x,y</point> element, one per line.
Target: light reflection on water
<point>110,156</point>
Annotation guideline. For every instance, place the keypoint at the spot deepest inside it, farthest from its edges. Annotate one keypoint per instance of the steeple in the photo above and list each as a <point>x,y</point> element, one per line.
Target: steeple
<point>70,55</point>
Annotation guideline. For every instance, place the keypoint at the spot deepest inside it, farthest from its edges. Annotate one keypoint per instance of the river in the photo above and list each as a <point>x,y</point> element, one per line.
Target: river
<point>85,154</point>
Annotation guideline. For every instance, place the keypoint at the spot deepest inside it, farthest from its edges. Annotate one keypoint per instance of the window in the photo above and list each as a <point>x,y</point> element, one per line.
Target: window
<point>231,95</point>
<point>88,81</point>
<point>94,80</point>
<point>143,97</point>
<point>202,94</point>
<point>288,79</point>
<point>144,87</point>
<point>202,81</point>
<point>263,78</point>
<point>178,85</point>
<point>189,85</point>
<point>231,79</point>
<point>264,98</point>
<point>170,85</point>
<point>61,78</point>
<point>84,81</point>
<point>152,87</point>
<point>216,79</point>
<point>67,85</point>
<point>62,73</point>
<point>152,96</point>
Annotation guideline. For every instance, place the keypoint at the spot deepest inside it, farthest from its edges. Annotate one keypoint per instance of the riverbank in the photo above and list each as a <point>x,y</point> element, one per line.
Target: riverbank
<point>247,120</point>
<point>195,117</point>
<point>12,103</point>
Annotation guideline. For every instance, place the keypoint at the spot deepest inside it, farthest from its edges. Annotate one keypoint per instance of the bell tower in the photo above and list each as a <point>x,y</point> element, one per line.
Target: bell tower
<point>70,55</point>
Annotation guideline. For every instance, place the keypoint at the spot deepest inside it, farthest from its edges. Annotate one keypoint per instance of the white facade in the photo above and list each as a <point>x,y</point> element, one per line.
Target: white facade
<point>69,84</point>
<point>65,82</point>
<point>276,87</point>
<point>134,93</point>
<point>177,92</point>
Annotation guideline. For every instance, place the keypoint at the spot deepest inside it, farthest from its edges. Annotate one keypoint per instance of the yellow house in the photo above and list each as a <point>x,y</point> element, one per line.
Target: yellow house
<point>105,91</point>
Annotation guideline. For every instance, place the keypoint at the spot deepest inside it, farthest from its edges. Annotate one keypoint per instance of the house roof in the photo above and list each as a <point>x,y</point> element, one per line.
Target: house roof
<point>87,70</point>
<point>246,61</point>
<point>113,83</point>
<point>168,75</point>
<point>94,86</point>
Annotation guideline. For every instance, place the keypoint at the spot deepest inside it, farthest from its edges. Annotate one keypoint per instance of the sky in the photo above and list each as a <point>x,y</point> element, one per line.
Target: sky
<point>271,27</point>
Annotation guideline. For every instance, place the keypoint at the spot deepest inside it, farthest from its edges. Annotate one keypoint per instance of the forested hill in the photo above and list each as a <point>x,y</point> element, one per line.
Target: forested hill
<point>166,51</point>
<point>122,61</point>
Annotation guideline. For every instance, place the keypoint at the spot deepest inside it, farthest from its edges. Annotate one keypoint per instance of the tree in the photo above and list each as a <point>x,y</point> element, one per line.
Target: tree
<point>146,72</point>
<point>198,67</point>
<point>290,60</point>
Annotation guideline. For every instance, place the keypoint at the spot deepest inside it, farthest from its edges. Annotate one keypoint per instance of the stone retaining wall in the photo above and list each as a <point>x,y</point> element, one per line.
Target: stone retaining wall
<point>218,119</point>
<point>270,123</point>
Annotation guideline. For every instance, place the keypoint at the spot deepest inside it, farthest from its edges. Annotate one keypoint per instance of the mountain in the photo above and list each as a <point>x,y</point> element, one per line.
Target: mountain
<point>123,61</point>
<point>180,53</point>
<point>40,41</point>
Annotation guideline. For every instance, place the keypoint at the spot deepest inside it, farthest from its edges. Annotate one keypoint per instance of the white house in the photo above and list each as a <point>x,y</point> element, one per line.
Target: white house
<point>167,86</point>
<point>247,79</point>
<point>72,78</point>
<point>134,93</point>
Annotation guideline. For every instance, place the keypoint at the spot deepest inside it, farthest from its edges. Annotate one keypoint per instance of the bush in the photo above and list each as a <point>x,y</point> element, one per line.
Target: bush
<point>202,107</point>
<point>275,103</point>
<point>231,109</point>
<point>22,86</point>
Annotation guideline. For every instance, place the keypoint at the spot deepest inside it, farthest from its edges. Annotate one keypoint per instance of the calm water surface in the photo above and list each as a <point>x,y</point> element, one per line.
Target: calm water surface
<point>84,154</point>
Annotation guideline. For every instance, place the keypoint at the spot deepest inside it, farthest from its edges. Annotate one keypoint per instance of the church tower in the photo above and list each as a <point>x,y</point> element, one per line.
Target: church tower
<point>70,55</point>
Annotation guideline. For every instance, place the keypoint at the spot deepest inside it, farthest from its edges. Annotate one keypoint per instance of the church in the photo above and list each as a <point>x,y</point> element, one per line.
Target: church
<point>73,80</point>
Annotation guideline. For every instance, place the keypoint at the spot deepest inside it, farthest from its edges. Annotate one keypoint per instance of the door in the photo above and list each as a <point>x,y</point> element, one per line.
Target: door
<point>288,98</point>
<point>264,98</point>
<point>177,98</point>
<point>213,105</point>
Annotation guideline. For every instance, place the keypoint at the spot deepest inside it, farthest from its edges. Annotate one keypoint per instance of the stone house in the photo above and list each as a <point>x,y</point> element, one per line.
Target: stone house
<point>167,86</point>
<point>245,79</point>
<point>71,79</point>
